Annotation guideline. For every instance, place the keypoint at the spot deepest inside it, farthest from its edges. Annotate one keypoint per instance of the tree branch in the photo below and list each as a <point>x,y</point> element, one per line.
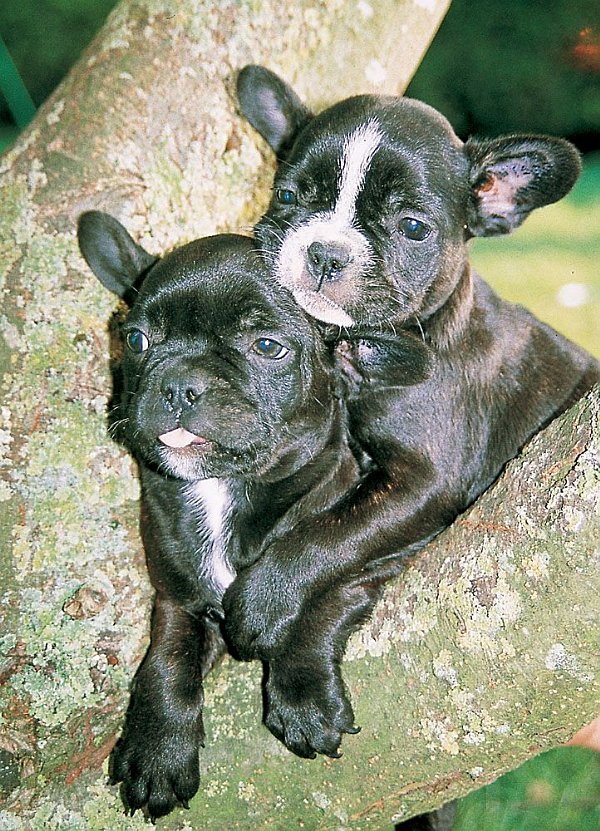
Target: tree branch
<point>480,655</point>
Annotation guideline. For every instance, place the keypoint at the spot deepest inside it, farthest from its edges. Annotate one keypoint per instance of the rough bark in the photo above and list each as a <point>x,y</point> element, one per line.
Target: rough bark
<point>484,653</point>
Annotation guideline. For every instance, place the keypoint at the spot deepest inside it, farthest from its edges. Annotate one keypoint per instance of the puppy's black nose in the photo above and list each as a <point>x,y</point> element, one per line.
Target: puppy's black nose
<point>326,261</point>
<point>181,391</point>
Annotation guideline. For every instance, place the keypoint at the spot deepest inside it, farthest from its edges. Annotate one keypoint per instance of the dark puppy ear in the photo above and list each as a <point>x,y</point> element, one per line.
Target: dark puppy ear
<point>512,175</point>
<point>116,260</point>
<point>271,106</point>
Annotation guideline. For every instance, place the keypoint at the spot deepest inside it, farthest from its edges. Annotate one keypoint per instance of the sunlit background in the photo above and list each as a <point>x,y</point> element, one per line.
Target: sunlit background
<point>494,67</point>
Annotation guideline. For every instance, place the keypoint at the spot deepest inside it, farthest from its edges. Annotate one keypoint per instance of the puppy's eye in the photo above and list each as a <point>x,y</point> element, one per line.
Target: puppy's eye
<point>414,229</point>
<point>269,348</point>
<point>137,341</point>
<point>286,197</point>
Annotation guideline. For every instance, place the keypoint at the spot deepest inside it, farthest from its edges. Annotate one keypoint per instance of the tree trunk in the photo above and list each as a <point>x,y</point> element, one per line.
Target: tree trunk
<point>484,653</point>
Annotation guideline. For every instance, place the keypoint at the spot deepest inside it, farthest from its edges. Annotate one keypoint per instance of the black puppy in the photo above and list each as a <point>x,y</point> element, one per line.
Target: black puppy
<point>373,204</point>
<point>231,406</point>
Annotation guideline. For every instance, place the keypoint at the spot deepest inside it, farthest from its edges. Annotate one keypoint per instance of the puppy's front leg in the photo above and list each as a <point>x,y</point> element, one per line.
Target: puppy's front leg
<point>370,530</point>
<point>156,757</point>
<point>306,703</point>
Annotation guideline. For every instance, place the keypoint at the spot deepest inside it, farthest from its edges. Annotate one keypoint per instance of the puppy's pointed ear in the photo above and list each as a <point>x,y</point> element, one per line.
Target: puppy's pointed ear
<point>510,176</point>
<point>116,260</point>
<point>271,106</point>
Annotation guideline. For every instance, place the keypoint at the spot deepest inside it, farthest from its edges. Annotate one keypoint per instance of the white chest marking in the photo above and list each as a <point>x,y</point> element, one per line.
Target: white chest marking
<point>359,149</point>
<point>211,501</point>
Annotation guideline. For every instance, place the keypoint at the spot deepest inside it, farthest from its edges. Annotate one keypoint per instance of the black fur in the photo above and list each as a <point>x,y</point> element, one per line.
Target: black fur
<point>203,333</point>
<point>497,374</point>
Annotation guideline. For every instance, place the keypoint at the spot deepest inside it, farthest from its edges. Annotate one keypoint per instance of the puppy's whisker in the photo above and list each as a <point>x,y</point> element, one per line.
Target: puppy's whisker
<point>244,230</point>
<point>115,426</point>
<point>420,328</point>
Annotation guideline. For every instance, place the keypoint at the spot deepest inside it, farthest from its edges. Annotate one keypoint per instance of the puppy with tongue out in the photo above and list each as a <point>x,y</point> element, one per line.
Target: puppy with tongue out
<point>231,405</point>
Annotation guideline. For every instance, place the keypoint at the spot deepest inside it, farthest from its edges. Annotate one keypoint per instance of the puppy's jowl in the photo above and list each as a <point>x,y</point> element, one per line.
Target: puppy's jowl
<point>231,405</point>
<point>374,202</point>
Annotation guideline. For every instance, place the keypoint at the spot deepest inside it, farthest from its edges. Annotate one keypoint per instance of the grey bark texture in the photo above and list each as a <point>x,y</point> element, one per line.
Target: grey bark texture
<point>484,653</point>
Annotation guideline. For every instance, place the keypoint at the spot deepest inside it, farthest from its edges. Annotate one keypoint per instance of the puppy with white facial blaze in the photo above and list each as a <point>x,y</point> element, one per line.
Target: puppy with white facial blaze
<point>373,204</point>
<point>231,404</point>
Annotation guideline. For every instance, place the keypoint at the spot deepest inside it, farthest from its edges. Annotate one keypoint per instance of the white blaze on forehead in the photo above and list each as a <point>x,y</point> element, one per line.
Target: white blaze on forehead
<point>357,154</point>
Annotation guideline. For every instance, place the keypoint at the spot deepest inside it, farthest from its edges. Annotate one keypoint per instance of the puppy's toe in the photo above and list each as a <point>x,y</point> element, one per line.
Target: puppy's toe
<point>294,730</point>
<point>305,732</point>
<point>161,803</point>
<point>134,793</point>
<point>186,782</point>
<point>118,764</point>
<point>157,772</point>
<point>311,722</point>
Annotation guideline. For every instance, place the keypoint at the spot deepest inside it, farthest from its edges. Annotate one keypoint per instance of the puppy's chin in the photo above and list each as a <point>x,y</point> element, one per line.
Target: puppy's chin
<point>179,454</point>
<point>319,306</point>
<point>188,463</point>
<point>206,461</point>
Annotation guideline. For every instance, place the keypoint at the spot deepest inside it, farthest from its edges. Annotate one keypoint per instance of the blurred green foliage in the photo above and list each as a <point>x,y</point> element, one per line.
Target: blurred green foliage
<point>531,65</point>
<point>45,38</point>
<point>557,791</point>
<point>14,90</point>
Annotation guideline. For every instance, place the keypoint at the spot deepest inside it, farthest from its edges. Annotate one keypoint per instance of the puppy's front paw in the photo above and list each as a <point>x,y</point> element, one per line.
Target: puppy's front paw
<point>260,607</point>
<point>308,710</point>
<point>158,768</point>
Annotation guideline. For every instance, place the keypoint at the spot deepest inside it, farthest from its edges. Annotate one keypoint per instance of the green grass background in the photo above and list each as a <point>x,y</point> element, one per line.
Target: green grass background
<point>557,245</point>
<point>557,791</point>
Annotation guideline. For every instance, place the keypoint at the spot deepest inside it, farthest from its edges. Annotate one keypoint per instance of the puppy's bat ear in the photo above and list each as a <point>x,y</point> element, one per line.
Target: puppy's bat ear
<point>116,260</point>
<point>271,106</point>
<point>510,176</point>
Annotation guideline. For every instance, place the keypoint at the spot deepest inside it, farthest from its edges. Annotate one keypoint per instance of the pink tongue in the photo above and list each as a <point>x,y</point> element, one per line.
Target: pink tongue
<point>180,438</point>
